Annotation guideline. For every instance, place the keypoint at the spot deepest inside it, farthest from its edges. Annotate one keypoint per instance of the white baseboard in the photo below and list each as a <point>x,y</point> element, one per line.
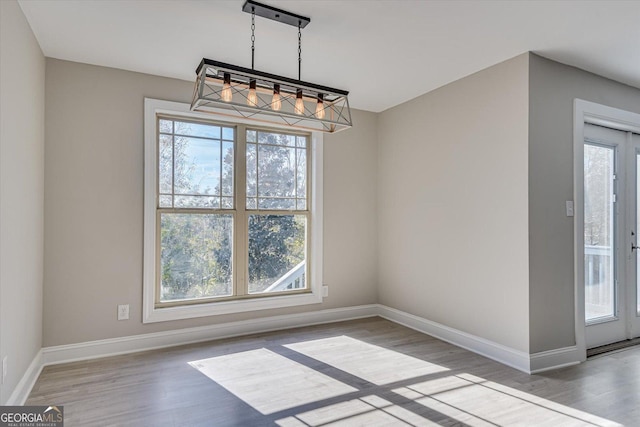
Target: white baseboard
<point>554,359</point>
<point>535,363</point>
<point>135,343</point>
<point>498,352</point>
<point>28,380</point>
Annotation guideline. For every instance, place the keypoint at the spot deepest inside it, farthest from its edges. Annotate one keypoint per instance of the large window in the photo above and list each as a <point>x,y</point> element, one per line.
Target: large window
<point>232,216</point>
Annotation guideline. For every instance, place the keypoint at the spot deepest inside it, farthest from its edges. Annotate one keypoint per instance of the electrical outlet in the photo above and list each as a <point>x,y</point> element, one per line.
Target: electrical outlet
<point>325,290</point>
<point>123,312</point>
<point>4,368</point>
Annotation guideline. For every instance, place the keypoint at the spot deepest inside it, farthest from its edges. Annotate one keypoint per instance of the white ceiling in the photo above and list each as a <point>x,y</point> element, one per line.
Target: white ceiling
<point>383,52</point>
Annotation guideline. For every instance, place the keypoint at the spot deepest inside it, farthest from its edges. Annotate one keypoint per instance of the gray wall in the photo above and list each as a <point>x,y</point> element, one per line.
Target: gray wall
<point>453,205</point>
<point>22,68</point>
<point>553,88</point>
<point>94,195</point>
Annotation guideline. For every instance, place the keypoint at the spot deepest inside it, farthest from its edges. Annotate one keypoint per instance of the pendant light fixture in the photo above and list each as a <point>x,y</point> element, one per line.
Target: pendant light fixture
<point>230,90</point>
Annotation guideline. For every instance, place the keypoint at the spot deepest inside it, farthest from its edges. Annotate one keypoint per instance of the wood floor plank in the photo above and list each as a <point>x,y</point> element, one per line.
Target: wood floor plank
<point>381,373</point>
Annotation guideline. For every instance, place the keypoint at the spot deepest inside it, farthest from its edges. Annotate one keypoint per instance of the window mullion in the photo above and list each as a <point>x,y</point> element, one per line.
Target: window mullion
<point>241,270</point>
<point>173,167</point>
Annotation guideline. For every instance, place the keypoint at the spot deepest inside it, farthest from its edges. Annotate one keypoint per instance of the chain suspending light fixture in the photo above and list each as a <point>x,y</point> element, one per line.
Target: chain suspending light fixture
<point>230,90</point>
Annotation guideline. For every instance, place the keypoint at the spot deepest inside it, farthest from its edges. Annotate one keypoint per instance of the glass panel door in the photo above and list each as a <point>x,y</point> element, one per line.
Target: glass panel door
<point>633,291</point>
<point>636,143</point>
<point>605,234</point>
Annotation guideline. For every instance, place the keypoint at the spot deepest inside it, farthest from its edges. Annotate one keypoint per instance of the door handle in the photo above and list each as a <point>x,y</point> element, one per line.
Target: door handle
<point>634,247</point>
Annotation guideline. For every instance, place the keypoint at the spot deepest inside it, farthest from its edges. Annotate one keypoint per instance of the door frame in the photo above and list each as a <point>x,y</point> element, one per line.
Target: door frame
<point>597,114</point>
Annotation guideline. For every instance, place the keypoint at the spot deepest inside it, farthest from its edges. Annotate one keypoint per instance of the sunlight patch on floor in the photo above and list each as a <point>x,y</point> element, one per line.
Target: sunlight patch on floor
<point>367,361</point>
<point>478,402</point>
<point>366,411</point>
<point>270,382</point>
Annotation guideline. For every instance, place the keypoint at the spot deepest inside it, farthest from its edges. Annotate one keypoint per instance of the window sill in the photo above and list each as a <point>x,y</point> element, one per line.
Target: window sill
<point>153,314</point>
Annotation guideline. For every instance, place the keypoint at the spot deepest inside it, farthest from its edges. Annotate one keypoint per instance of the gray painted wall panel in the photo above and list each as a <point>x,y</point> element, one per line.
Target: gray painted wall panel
<point>553,88</point>
<point>452,205</point>
<point>93,205</point>
<point>22,76</point>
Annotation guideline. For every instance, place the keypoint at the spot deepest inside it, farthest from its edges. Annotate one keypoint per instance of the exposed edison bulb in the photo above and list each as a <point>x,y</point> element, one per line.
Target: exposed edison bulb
<point>226,94</point>
<point>276,101</point>
<point>320,106</point>
<point>252,98</point>
<point>299,107</point>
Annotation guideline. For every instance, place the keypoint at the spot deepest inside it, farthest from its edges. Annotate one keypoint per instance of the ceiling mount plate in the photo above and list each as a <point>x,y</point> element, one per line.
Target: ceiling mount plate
<point>275,14</point>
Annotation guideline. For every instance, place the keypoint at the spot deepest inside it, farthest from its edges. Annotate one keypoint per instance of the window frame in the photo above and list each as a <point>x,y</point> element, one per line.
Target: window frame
<point>152,312</point>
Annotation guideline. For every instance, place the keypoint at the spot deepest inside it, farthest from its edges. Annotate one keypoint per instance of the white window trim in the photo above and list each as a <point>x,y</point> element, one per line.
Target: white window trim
<point>150,313</point>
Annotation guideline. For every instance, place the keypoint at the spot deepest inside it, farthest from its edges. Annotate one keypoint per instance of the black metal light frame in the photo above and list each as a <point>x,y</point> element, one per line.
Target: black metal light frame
<point>322,108</point>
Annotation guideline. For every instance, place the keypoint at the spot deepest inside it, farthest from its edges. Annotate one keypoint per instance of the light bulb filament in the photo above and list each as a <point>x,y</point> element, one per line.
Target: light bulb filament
<point>320,107</point>
<point>226,93</point>
<point>252,97</point>
<point>299,107</point>
<point>276,101</point>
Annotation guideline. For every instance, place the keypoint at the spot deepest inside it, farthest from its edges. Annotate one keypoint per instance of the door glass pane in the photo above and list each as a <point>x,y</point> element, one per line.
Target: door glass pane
<point>599,242</point>
<point>277,254</point>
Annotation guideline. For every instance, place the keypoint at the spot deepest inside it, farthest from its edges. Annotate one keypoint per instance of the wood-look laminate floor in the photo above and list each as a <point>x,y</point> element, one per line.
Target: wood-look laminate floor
<point>368,372</point>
